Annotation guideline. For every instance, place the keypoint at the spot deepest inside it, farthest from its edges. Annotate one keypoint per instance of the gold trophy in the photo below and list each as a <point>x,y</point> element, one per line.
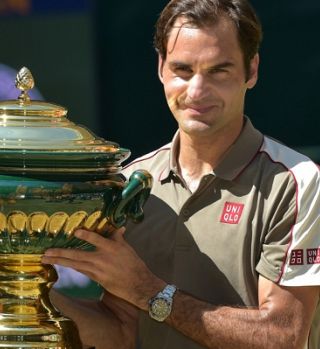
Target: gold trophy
<point>55,177</point>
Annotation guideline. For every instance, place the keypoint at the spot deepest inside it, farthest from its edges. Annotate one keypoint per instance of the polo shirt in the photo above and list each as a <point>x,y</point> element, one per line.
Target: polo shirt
<point>258,212</point>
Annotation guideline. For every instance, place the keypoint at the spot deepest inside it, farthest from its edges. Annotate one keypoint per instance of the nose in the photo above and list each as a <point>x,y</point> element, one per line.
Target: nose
<point>197,87</point>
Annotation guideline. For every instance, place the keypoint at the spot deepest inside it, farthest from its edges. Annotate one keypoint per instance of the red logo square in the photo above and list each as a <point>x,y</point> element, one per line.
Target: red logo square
<point>313,255</point>
<point>232,212</point>
<point>296,257</point>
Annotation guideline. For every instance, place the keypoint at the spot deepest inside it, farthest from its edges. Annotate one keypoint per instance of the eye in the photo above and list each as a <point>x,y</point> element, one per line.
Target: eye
<point>183,71</point>
<point>215,71</point>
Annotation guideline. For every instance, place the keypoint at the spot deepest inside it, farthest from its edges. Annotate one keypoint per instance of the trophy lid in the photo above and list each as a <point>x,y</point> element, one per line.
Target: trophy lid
<point>36,137</point>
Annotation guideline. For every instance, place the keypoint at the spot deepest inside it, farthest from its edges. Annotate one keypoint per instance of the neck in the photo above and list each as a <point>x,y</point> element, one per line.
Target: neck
<point>200,155</point>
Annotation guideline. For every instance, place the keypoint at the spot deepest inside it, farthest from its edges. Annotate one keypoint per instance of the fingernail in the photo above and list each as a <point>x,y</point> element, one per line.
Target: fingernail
<point>78,233</point>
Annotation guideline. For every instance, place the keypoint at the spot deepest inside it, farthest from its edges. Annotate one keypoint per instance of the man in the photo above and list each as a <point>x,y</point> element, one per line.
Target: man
<point>227,256</point>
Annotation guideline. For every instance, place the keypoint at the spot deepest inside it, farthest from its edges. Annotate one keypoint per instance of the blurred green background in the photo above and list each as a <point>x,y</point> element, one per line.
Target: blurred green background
<point>96,58</point>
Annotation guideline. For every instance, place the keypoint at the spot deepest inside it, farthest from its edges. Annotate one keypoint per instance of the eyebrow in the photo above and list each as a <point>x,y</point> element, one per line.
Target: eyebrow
<point>179,64</point>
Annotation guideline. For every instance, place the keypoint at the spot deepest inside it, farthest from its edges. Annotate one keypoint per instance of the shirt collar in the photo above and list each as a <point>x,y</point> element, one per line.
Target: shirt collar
<point>234,161</point>
<point>241,153</point>
<point>172,165</point>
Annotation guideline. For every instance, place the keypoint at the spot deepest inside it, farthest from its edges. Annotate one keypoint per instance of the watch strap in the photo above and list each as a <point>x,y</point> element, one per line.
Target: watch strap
<point>169,291</point>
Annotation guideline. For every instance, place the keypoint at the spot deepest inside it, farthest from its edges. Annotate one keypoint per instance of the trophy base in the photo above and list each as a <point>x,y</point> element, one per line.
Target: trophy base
<point>59,334</point>
<point>28,320</point>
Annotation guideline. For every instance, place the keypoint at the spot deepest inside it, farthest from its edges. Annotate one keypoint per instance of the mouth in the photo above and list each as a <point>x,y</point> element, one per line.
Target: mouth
<point>198,109</point>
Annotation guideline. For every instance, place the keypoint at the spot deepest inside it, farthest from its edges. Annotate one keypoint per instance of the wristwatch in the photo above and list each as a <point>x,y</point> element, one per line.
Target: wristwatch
<point>160,306</point>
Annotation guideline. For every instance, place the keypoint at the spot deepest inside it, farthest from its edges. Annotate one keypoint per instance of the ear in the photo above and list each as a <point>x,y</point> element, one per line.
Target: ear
<point>160,67</point>
<point>254,67</point>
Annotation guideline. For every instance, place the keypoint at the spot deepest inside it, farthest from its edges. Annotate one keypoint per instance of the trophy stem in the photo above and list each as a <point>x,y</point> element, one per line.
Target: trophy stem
<point>27,317</point>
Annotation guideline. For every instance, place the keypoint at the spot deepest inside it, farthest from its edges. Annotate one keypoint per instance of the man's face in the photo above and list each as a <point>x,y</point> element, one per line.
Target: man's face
<point>204,77</point>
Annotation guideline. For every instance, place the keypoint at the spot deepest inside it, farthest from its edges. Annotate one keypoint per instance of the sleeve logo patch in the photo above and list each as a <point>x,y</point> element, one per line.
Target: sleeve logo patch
<point>313,255</point>
<point>296,257</point>
<point>232,212</point>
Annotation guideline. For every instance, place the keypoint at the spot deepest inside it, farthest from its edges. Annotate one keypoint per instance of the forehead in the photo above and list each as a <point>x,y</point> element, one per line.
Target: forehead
<point>221,37</point>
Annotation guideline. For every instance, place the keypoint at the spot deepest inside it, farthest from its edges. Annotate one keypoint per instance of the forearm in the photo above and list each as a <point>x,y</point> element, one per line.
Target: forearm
<point>218,327</point>
<point>227,327</point>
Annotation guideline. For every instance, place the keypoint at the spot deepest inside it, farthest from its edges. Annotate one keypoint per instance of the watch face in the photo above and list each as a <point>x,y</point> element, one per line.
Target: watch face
<point>160,309</point>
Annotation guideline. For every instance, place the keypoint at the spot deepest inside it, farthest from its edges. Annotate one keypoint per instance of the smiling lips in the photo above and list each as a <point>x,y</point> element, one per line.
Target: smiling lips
<point>198,109</point>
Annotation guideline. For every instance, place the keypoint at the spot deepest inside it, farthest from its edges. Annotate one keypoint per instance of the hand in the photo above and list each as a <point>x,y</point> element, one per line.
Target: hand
<point>113,264</point>
<point>105,324</point>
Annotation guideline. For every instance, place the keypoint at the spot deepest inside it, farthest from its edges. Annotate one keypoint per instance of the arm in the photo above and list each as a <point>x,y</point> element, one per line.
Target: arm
<point>109,323</point>
<point>282,319</point>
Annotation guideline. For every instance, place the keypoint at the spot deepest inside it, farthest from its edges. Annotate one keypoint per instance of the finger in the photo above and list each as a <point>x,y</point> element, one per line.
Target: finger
<point>118,235</point>
<point>80,266</point>
<point>67,257</point>
<point>121,230</point>
<point>56,260</point>
<point>68,253</point>
<point>91,237</point>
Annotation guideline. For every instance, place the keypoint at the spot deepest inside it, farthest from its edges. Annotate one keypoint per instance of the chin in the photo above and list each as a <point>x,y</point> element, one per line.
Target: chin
<point>193,126</point>
<point>197,131</point>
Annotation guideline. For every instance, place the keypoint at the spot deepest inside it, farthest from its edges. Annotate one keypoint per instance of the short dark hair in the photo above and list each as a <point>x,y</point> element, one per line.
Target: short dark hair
<point>205,13</point>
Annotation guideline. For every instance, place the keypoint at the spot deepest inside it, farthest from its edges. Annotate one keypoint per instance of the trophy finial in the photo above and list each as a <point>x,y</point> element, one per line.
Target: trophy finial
<point>24,82</point>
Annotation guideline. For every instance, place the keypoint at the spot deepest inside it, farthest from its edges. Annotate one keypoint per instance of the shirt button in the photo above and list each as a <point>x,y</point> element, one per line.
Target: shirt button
<point>186,212</point>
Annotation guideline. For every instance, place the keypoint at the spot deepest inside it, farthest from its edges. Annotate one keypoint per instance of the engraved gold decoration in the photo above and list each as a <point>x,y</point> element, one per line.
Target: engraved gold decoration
<point>55,177</point>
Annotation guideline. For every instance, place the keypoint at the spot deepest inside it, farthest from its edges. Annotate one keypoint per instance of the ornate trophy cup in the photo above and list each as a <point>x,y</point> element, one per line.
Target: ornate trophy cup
<point>55,177</point>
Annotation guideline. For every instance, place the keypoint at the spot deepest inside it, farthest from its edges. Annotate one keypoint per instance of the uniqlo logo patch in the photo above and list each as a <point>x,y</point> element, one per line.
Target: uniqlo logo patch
<point>232,212</point>
<point>313,255</point>
<point>296,257</point>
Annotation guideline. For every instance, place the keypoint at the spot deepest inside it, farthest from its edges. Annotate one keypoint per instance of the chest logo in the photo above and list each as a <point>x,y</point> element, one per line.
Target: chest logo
<point>232,212</point>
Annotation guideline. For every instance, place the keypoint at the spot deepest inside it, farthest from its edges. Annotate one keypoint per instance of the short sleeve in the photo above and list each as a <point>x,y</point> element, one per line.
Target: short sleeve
<point>299,247</point>
<point>279,220</point>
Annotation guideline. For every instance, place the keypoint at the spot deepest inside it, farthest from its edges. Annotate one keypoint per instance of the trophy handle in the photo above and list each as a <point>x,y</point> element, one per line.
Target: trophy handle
<point>133,197</point>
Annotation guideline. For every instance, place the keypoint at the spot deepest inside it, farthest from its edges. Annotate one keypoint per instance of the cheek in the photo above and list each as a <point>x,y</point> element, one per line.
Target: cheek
<point>234,100</point>
<point>174,90</point>
<point>230,91</point>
